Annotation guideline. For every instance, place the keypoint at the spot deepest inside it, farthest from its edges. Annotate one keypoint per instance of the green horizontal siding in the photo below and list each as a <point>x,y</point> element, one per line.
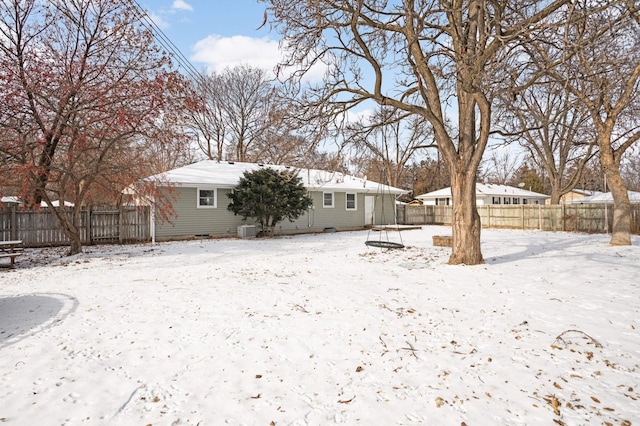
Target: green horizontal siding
<point>191,220</point>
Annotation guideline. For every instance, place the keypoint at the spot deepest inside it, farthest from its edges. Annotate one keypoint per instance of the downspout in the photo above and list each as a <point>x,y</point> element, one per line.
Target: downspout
<point>310,211</point>
<point>152,220</point>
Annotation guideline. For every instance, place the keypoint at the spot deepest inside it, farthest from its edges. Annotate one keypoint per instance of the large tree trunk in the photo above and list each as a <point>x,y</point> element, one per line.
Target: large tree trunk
<point>68,221</point>
<point>621,230</point>
<point>75,243</point>
<point>466,224</point>
<point>554,181</point>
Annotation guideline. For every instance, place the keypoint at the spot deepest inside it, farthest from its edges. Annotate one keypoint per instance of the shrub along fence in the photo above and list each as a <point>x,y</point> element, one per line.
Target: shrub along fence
<point>105,225</point>
<point>592,218</point>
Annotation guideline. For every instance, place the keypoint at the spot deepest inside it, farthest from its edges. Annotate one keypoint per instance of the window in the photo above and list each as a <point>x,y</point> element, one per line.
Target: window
<point>351,201</point>
<point>207,198</point>
<point>506,200</point>
<point>524,201</point>
<point>516,200</point>
<point>327,199</point>
<point>495,200</point>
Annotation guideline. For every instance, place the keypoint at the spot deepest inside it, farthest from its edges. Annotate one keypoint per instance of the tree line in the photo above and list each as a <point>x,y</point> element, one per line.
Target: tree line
<point>456,92</point>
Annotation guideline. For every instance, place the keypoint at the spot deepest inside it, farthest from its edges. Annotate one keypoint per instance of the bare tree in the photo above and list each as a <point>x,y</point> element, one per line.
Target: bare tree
<point>544,119</point>
<point>84,90</point>
<point>430,174</point>
<point>424,57</point>
<point>391,138</point>
<point>233,112</point>
<point>205,117</point>
<point>501,166</point>
<point>289,137</point>
<point>630,170</point>
<point>608,86</point>
<point>243,115</point>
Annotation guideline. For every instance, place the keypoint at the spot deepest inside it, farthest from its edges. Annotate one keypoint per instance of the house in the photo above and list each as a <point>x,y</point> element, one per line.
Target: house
<point>606,197</point>
<point>9,200</point>
<point>13,200</point>
<point>486,194</point>
<point>572,195</point>
<point>199,200</point>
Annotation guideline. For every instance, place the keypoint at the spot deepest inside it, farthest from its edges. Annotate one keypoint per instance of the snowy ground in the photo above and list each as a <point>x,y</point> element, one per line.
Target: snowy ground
<point>321,329</point>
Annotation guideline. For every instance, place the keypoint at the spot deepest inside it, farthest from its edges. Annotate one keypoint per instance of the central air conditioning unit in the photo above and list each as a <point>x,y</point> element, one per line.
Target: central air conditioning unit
<point>247,231</point>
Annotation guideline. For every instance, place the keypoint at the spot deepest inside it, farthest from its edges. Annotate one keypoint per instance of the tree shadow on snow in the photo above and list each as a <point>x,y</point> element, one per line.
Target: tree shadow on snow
<point>26,315</point>
<point>516,250</point>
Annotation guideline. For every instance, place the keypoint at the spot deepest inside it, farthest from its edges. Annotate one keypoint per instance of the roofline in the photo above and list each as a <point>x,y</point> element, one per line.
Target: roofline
<point>309,188</point>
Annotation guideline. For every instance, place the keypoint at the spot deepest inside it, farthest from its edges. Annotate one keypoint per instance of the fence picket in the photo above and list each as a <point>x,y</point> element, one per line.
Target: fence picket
<point>40,228</point>
<point>589,218</point>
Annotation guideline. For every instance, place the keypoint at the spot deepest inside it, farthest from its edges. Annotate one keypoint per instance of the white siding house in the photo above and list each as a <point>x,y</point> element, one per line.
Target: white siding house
<point>199,193</point>
<point>486,194</point>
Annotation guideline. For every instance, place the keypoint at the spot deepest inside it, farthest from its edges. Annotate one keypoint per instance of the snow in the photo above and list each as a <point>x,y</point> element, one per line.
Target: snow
<point>487,190</point>
<point>227,174</point>
<point>321,329</point>
<point>606,197</point>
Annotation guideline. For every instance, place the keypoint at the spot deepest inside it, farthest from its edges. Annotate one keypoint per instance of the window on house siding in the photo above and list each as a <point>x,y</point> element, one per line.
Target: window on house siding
<point>516,200</point>
<point>351,202</point>
<point>207,198</point>
<point>506,200</point>
<point>327,199</point>
<point>495,200</point>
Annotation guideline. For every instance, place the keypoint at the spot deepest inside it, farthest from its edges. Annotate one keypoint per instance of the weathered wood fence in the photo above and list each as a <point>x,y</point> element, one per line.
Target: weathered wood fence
<point>104,225</point>
<point>591,218</point>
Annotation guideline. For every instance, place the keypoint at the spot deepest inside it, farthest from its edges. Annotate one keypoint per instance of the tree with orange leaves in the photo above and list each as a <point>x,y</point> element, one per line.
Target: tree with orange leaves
<point>88,103</point>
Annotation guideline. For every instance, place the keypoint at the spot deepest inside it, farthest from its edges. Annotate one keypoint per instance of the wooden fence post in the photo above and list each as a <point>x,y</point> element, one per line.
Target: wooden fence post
<point>89,230</point>
<point>13,230</point>
<point>540,217</point>
<point>120,223</point>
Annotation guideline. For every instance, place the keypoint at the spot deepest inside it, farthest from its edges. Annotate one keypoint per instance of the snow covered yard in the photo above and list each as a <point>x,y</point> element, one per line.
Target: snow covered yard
<point>321,329</point>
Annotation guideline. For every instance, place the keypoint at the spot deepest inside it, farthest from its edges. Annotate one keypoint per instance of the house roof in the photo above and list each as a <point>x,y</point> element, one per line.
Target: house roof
<point>9,199</point>
<point>488,190</point>
<point>606,197</point>
<point>584,192</point>
<point>227,174</point>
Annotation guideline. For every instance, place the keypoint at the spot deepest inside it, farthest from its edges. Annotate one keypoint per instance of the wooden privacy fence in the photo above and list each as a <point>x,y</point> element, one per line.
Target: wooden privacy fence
<point>109,225</point>
<point>592,218</point>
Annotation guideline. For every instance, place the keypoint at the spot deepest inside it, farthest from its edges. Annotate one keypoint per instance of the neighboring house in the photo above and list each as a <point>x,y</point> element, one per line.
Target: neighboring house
<point>199,192</point>
<point>9,200</point>
<point>605,197</point>
<point>486,194</point>
<point>574,194</point>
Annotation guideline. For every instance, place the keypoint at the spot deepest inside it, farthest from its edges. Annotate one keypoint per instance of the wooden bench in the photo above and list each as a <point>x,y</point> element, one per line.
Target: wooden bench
<point>11,250</point>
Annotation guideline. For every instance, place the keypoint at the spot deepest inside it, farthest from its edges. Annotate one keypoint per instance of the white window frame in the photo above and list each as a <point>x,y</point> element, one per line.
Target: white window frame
<point>215,198</point>
<point>324,203</point>
<point>355,201</point>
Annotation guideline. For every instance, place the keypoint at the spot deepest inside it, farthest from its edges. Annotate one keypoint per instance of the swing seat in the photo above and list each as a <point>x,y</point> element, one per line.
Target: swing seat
<point>384,244</point>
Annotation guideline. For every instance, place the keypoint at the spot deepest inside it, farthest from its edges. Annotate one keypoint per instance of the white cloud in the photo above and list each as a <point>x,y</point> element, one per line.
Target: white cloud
<point>181,5</point>
<point>217,52</point>
<point>159,20</point>
<point>364,116</point>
